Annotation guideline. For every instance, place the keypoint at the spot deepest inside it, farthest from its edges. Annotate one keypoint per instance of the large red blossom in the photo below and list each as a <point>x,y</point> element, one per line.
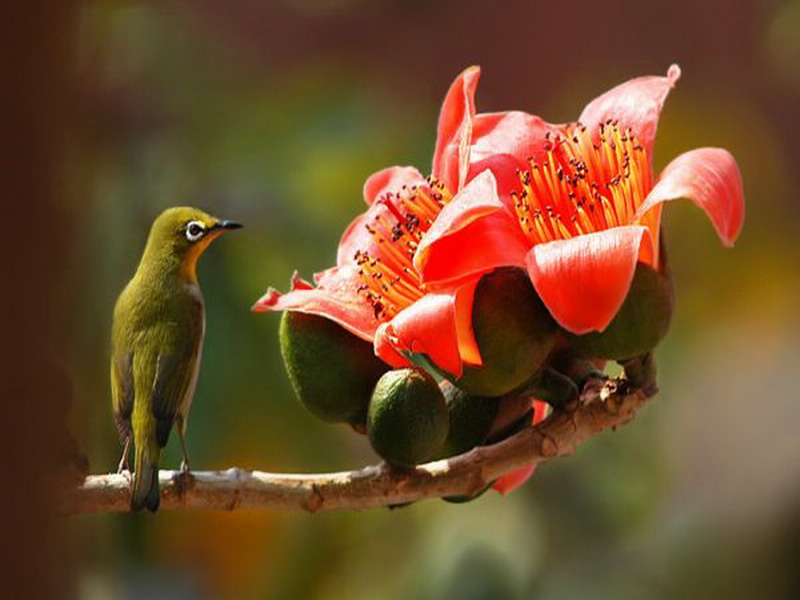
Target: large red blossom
<point>576,204</point>
<point>374,290</point>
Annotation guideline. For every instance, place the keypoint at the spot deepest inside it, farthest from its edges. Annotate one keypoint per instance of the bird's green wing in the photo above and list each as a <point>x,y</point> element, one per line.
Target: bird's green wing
<point>176,368</point>
<point>122,393</point>
<point>175,374</point>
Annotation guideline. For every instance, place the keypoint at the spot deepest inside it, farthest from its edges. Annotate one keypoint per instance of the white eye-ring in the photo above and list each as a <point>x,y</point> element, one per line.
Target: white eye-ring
<point>195,230</point>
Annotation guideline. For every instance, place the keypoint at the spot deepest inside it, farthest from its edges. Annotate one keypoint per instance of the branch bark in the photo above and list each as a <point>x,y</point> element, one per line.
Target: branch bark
<point>602,405</point>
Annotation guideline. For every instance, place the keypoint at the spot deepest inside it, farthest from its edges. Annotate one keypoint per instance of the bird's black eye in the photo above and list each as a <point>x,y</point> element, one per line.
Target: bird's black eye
<point>194,230</point>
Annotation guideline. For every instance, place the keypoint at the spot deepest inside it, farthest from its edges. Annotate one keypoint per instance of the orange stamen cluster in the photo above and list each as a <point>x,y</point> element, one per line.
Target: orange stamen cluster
<point>390,281</point>
<point>583,185</point>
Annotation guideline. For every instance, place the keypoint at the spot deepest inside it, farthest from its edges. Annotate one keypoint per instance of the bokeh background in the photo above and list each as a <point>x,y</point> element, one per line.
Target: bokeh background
<point>273,114</point>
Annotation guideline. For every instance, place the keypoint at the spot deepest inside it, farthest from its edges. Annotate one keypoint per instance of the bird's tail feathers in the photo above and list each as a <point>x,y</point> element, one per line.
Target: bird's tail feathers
<point>145,493</point>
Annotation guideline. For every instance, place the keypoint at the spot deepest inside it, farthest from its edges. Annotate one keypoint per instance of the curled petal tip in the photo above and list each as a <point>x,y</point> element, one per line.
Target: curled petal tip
<point>298,283</point>
<point>266,301</point>
<point>634,104</point>
<point>454,130</point>
<point>390,180</point>
<point>673,74</point>
<point>710,178</point>
<point>730,241</point>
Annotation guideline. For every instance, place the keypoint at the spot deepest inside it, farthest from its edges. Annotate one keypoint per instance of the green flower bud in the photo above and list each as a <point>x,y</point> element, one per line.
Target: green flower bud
<point>639,325</point>
<point>514,332</point>
<point>331,370</point>
<point>407,419</point>
<point>471,419</point>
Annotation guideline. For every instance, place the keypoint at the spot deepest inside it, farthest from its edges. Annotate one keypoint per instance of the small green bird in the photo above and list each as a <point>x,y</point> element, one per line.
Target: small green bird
<point>157,340</point>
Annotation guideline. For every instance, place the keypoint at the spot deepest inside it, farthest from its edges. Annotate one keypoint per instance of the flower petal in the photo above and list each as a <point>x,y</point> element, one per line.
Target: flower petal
<point>505,142</point>
<point>505,169</point>
<point>467,344</point>
<point>474,233</point>
<point>336,297</point>
<point>468,351</point>
<point>426,327</point>
<point>298,283</point>
<point>355,238</point>
<point>516,133</point>
<point>385,349</point>
<point>510,482</point>
<point>390,180</point>
<point>636,104</point>
<point>584,280</point>
<point>540,410</point>
<point>451,156</point>
<point>710,178</point>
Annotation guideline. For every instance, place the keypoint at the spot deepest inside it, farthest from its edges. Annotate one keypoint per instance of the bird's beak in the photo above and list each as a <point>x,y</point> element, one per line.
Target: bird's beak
<point>227,225</point>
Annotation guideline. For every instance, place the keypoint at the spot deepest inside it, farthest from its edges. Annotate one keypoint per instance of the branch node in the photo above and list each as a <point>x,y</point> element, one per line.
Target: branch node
<point>548,447</point>
<point>237,499</point>
<point>315,500</point>
<point>183,482</point>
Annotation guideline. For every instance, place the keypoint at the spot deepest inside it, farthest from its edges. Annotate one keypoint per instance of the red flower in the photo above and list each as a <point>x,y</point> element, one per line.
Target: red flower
<point>374,290</point>
<point>576,204</point>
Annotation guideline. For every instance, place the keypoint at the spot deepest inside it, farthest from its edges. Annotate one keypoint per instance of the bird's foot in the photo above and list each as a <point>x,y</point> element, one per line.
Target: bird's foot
<point>185,468</point>
<point>123,465</point>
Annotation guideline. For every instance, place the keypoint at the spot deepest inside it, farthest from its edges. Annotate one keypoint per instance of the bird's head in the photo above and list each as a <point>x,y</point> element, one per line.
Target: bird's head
<point>182,233</point>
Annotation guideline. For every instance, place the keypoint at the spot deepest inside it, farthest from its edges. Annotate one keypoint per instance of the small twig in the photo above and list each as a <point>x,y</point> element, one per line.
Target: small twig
<point>602,405</point>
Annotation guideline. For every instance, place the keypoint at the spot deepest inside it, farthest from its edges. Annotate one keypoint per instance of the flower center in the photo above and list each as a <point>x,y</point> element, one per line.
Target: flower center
<point>583,185</point>
<point>390,281</point>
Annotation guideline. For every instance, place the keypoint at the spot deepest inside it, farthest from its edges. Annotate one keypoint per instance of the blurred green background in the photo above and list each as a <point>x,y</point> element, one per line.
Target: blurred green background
<point>273,114</point>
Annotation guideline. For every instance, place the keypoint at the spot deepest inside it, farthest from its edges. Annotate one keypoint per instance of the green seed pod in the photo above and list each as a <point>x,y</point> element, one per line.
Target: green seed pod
<point>639,325</point>
<point>514,332</point>
<point>576,367</point>
<point>407,417</point>
<point>552,387</point>
<point>470,417</point>
<point>514,427</point>
<point>641,372</point>
<point>465,499</point>
<point>331,370</point>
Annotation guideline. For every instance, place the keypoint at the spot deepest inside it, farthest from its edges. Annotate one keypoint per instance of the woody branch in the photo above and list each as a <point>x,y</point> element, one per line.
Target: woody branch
<point>602,405</point>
